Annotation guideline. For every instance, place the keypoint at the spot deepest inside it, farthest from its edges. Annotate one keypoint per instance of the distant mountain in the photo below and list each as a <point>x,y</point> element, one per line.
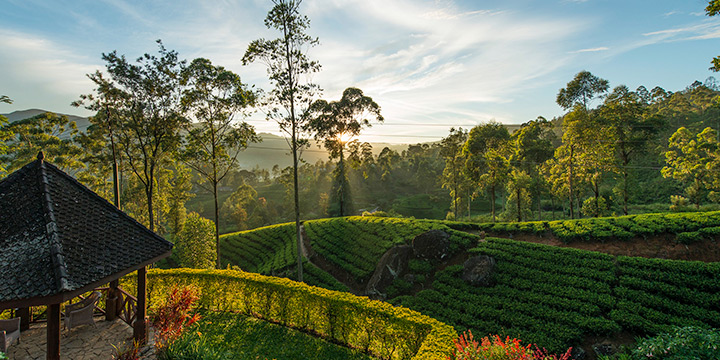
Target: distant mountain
<point>81,122</point>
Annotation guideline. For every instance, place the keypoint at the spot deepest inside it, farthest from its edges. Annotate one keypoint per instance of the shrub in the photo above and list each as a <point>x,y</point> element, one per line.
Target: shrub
<point>589,208</point>
<point>3,356</point>
<point>495,348</point>
<point>173,315</point>
<point>686,343</point>
<point>195,243</point>
<point>127,352</point>
<point>679,203</point>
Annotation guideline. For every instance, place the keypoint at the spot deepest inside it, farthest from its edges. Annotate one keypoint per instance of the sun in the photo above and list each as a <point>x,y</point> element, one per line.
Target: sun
<point>345,137</point>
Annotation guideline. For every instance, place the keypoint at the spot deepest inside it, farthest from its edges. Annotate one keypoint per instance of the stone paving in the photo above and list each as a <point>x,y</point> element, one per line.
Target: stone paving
<point>84,342</point>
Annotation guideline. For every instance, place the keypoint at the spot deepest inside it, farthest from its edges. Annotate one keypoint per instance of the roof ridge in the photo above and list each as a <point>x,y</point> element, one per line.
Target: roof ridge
<point>104,201</point>
<point>56,250</point>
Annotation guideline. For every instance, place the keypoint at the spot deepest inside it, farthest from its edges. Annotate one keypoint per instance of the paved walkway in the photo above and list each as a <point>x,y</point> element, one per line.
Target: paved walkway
<point>84,342</point>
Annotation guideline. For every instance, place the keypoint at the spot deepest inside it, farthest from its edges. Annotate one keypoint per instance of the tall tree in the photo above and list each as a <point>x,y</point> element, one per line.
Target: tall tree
<point>533,145</point>
<point>576,95</point>
<point>212,96</point>
<point>624,112</point>
<point>453,177</point>
<point>486,154</point>
<point>690,160</point>
<point>148,114</point>
<point>338,123</point>
<point>581,90</point>
<point>288,67</point>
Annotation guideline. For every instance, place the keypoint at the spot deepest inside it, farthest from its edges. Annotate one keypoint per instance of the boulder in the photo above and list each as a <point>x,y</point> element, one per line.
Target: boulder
<point>431,245</point>
<point>392,264</point>
<point>478,270</point>
<point>604,349</point>
<point>578,353</point>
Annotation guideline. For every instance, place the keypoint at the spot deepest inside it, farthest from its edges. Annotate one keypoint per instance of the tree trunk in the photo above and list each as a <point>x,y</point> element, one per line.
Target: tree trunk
<point>596,190</point>
<point>519,214</point>
<point>625,186</point>
<point>570,184</point>
<point>217,225</point>
<point>341,178</point>
<point>148,193</point>
<point>297,202</point>
<point>492,201</point>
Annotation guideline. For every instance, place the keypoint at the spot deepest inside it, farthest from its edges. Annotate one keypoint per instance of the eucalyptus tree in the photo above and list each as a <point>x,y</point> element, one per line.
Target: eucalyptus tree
<point>48,132</point>
<point>691,158</point>
<point>631,128</point>
<point>147,115</point>
<point>337,123</point>
<point>578,132</point>
<point>212,96</point>
<point>288,68</point>
<point>106,102</point>
<point>486,154</point>
<point>453,177</point>
<point>532,145</point>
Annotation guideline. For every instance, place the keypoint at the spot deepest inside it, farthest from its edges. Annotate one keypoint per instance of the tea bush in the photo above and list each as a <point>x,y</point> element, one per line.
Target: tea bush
<point>554,297</point>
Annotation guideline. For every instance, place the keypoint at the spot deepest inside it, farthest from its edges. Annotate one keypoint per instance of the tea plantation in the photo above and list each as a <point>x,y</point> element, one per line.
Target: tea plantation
<point>554,297</point>
<point>685,227</point>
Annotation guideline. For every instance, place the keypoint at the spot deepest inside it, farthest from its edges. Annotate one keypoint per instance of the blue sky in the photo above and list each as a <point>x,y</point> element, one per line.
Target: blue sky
<point>425,62</point>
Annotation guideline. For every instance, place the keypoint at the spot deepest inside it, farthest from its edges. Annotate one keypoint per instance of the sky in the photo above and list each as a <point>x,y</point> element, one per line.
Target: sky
<point>430,65</point>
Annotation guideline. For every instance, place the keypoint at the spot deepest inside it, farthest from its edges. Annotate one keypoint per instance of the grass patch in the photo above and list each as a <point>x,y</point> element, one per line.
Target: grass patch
<point>224,335</point>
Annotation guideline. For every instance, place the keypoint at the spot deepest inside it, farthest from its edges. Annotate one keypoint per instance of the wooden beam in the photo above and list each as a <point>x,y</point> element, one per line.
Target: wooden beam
<point>53,332</point>
<point>24,314</point>
<point>140,328</point>
<point>111,301</point>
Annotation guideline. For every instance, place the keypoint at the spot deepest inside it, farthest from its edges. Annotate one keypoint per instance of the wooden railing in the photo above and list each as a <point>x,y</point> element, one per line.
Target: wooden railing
<point>127,305</point>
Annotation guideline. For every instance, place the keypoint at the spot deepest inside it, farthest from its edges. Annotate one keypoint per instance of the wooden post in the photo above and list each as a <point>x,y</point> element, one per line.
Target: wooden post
<point>24,314</point>
<point>111,301</point>
<point>140,327</point>
<point>53,332</point>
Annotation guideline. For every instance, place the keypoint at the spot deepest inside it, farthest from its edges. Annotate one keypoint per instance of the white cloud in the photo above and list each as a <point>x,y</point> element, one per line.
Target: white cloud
<point>596,49</point>
<point>43,70</point>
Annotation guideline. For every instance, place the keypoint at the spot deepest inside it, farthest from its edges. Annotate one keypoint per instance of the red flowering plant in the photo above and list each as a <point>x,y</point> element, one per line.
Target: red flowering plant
<point>173,316</point>
<point>495,348</point>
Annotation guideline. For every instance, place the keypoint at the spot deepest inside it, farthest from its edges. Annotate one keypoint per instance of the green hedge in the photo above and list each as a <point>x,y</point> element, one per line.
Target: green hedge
<point>377,327</point>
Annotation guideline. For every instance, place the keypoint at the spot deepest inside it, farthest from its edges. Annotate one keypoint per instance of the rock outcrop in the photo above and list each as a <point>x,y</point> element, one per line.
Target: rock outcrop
<point>392,264</point>
<point>479,270</point>
<point>431,245</point>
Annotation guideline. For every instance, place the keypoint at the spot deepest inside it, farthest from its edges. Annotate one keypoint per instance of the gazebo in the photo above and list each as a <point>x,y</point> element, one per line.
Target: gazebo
<point>58,239</point>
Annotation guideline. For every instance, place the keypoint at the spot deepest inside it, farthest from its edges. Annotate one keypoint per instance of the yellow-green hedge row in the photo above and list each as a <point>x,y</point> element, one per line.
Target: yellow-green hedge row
<point>378,327</point>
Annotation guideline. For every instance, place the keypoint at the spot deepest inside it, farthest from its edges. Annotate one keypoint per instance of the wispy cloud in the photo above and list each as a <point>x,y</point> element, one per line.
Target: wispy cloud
<point>42,68</point>
<point>596,49</point>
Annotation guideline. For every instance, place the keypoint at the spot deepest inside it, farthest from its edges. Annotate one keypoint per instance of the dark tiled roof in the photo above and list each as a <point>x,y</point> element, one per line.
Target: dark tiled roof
<point>58,236</point>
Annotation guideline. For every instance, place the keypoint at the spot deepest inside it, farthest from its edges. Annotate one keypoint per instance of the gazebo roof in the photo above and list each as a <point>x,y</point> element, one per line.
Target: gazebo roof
<point>59,239</point>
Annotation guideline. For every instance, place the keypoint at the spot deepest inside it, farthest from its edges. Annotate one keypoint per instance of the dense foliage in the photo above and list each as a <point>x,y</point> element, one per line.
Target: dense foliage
<point>554,297</point>
<point>373,326</point>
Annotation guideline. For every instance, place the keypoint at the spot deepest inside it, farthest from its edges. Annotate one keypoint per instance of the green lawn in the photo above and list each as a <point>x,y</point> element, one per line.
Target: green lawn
<point>221,335</point>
